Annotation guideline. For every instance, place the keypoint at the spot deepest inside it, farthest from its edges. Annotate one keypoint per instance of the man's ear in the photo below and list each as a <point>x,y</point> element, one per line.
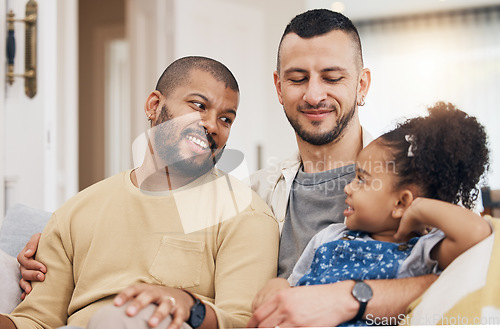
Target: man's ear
<point>406,197</point>
<point>365,80</point>
<point>277,84</point>
<point>151,105</point>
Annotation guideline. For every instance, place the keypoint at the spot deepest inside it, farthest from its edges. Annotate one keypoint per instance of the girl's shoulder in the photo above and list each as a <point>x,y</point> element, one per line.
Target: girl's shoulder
<point>330,233</point>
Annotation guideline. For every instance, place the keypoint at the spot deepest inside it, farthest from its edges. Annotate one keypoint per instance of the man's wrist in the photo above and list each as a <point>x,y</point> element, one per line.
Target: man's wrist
<point>351,305</point>
<point>362,293</point>
<point>197,311</point>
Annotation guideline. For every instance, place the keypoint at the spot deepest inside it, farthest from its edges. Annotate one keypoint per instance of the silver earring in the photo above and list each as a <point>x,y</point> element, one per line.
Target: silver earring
<point>362,101</point>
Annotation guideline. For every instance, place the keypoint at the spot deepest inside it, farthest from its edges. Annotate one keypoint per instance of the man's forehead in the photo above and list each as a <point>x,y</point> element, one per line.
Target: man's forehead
<point>335,36</point>
<point>333,45</point>
<point>199,78</point>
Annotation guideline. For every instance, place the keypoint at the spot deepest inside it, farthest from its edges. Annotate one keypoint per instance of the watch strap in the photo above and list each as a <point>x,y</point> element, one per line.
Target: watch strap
<point>197,303</point>
<point>361,311</point>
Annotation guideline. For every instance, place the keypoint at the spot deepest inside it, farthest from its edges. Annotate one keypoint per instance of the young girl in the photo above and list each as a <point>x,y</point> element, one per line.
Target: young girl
<point>407,181</point>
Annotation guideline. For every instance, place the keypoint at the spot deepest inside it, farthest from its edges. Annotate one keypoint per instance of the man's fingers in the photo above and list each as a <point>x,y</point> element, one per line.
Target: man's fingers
<point>178,318</point>
<point>31,275</point>
<point>30,249</point>
<point>125,295</point>
<point>162,311</point>
<point>25,286</point>
<point>28,253</point>
<point>263,312</point>
<point>33,242</point>
<point>140,301</point>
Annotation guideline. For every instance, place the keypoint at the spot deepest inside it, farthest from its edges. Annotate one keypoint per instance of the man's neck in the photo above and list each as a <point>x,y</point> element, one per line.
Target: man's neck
<point>153,178</point>
<point>344,151</point>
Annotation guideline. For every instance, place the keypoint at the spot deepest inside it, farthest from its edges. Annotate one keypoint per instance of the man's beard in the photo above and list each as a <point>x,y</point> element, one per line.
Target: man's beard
<point>167,137</point>
<point>317,138</point>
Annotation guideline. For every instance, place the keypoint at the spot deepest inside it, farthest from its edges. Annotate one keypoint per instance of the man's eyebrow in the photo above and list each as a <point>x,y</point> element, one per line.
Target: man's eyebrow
<point>200,95</point>
<point>334,69</point>
<point>327,69</point>
<point>294,70</point>
<point>231,111</point>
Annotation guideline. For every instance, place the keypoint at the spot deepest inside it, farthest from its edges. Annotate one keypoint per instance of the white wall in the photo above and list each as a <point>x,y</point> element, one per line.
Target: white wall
<point>40,133</point>
<point>417,62</point>
<point>25,131</point>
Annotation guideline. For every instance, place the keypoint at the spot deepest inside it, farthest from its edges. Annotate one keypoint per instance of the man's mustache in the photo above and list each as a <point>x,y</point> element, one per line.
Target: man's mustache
<point>320,105</point>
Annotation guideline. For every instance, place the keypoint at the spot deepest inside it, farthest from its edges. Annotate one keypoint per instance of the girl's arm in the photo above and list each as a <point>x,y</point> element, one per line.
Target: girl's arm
<point>462,227</point>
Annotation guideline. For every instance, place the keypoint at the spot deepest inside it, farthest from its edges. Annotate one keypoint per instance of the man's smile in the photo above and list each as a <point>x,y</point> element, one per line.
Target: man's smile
<point>196,140</point>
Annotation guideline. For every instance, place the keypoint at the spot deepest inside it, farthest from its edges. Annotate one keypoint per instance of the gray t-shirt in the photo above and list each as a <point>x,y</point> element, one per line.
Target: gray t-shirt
<point>316,201</point>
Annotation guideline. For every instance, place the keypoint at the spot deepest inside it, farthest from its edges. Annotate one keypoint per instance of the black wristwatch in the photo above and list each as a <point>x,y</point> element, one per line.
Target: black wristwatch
<point>198,312</point>
<point>363,293</point>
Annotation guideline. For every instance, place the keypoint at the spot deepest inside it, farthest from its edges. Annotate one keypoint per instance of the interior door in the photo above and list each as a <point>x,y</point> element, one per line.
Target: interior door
<point>38,135</point>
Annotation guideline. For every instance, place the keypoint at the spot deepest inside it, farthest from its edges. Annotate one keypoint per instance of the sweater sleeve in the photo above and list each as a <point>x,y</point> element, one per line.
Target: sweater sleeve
<point>47,305</point>
<point>247,258</point>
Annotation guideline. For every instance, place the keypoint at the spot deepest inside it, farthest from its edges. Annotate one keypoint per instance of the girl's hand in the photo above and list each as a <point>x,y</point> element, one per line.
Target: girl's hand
<point>410,222</point>
<point>271,287</point>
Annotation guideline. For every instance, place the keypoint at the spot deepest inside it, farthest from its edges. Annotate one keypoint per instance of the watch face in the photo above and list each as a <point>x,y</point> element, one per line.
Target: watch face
<point>362,292</point>
<point>197,315</point>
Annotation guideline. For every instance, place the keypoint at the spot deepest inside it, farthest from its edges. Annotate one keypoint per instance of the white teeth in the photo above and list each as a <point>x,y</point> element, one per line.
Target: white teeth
<point>198,142</point>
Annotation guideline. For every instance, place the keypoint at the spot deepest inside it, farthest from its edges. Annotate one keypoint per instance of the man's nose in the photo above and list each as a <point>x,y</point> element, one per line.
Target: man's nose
<point>209,122</point>
<point>315,92</point>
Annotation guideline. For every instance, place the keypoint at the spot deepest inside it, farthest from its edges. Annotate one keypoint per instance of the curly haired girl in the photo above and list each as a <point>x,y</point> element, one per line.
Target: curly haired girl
<point>408,181</point>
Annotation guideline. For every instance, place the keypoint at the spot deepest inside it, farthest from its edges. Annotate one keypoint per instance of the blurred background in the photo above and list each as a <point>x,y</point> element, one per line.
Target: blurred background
<point>98,60</point>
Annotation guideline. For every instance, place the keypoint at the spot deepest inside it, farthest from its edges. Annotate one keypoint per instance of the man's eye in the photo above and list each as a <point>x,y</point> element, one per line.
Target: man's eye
<point>298,80</point>
<point>201,106</point>
<point>227,120</point>
<point>333,80</point>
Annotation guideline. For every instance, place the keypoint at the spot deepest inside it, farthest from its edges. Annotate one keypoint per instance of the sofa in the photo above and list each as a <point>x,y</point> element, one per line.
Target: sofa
<point>19,224</point>
<point>467,292</point>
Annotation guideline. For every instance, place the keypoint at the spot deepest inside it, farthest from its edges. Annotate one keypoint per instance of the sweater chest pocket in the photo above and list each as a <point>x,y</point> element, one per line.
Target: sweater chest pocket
<point>178,263</point>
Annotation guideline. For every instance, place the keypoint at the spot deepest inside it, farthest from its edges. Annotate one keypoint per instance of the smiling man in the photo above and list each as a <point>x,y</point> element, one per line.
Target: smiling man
<point>321,81</point>
<point>168,242</point>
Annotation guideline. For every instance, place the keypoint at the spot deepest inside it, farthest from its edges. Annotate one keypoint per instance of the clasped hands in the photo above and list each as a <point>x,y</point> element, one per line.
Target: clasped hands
<point>169,300</point>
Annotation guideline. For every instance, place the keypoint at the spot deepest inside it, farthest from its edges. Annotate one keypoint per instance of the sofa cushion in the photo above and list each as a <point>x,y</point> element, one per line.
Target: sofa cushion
<point>10,275</point>
<point>468,290</point>
<point>19,224</point>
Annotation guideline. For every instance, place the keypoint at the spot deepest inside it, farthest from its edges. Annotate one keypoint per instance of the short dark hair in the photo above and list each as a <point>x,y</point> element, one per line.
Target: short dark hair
<point>178,72</point>
<point>317,22</point>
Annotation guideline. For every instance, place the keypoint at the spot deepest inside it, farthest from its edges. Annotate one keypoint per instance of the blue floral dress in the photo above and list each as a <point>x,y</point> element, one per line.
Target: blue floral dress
<point>348,259</point>
<point>348,255</point>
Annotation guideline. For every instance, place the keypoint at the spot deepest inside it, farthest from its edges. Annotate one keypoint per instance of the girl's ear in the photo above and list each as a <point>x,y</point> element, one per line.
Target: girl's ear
<point>406,197</point>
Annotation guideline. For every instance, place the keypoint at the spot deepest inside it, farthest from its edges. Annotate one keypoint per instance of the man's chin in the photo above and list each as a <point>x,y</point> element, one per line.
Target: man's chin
<point>194,167</point>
